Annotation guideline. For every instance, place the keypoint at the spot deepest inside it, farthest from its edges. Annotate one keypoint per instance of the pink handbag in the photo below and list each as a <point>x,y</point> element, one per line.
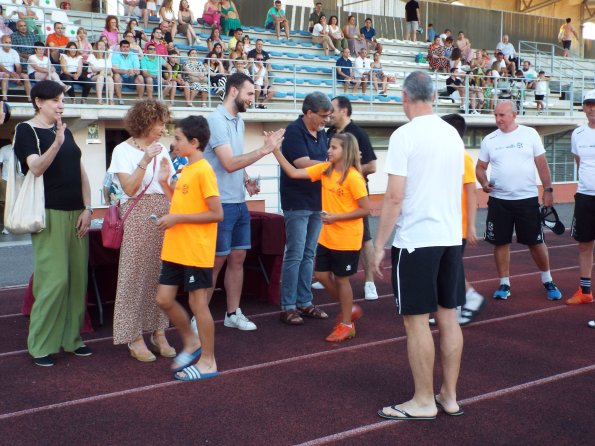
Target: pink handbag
<point>112,229</point>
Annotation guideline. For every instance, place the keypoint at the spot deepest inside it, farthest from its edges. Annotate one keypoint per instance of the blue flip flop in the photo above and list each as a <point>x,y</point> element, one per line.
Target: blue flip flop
<point>185,359</point>
<point>193,374</point>
<point>405,416</point>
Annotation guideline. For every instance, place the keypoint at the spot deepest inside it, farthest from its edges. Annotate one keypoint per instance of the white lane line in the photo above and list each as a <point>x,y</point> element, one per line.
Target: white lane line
<point>248,368</point>
<point>478,398</point>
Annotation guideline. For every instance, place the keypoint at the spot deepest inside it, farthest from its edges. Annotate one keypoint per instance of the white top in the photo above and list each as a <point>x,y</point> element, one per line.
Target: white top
<point>430,153</point>
<point>125,159</point>
<point>512,157</point>
<point>318,28</point>
<point>507,49</point>
<point>4,157</point>
<point>96,65</point>
<point>541,86</point>
<point>9,59</point>
<point>361,67</point>
<point>72,63</point>
<point>34,60</point>
<point>582,145</point>
<point>530,74</point>
<point>259,76</point>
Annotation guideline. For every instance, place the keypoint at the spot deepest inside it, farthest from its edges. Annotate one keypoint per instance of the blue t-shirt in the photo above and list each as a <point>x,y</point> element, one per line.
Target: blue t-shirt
<point>226,129</point>
<point>298,195</point>
<point>125,62</point>
<point>368,34</point>
<point>341,62</point>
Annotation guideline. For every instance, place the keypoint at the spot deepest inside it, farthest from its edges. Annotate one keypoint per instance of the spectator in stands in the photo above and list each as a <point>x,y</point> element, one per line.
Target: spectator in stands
<point>137,32</point>
<point>172,65</point>
<point>23,41</point>
<point>335,33</point>
<point>565,36</point>
<point>455,61</point>
<point>431,33</point>
<point>489,90</point>
<point>72,73</point>
<point>247,44</point>
<point>28,14</point>
<point>39,67</point>
<point>185,21</point>
<point>134,47</point>
<point>412,19</point>
<point>100,72</point>
<point>361,71</point>
<point>379,77</point>
<point>448,47</point>
<point>237,52</point>
<point>217,73</point>
<point>541,90</point>
<point>369,34</point>
<point>240,65</point>
<point>4,29</point>
<point>237,37</point>
<point>196,75</point>
<point>315,16</point>
<point>510,56</point>
<point>111,30</point>
<point>56,40</point>
<point>258,49</point>
<point>529,74</point>
<point>83,44</point>
<point>133,8</point>
<point>150,67</point>
<point>436,58</point>
<point>212,13</point>
<point>11,69</point>
<point>499,64</point>
<point>477,62</point>
<point>276,20</point>
<point>126,69</point>
<point>264,92</point>
<point>230,18</point>
<point>475,95</point>
<point>168,15</point>
<point>464,46</point>
<point>156,40</point>
<point>219,53</point>
<point>168,37</point>
<point>455,88</point>
<point>355,41</point>
<point>344,70</point>
<point>214,38</point>
<point>320,34</point>
<point>487,62</point>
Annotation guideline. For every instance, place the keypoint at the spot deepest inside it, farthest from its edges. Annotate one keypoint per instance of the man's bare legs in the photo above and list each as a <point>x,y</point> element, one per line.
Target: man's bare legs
<point>451,351</point>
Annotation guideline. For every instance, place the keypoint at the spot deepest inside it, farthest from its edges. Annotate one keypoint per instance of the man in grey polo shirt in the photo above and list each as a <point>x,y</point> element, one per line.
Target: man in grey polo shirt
<point>225,153</point>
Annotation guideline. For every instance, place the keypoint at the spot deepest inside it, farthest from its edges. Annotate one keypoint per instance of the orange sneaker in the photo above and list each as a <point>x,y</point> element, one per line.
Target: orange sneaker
<point>356,313</point>
<point>580,298</point>
<point>341,332</point>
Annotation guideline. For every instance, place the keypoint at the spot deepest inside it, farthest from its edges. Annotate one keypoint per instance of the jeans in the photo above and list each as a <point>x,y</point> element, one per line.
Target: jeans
<point>301,232</point>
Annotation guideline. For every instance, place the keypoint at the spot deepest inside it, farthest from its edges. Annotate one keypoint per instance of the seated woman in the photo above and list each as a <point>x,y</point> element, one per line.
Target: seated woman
<point>247,44</point>
<point>230,19</point>
<point>83,44</point>
<point>455,61</point>
<point>262,89</point>
<point>436,58</point>
<point>137,32</point>
<point>379,77</point>
<point>217,73</point>
<point>212,14</point>
<point>185,21</point>
<point>100,70</point>
<point>355,41</point>
<point>238,51</point>
<point>464,45</point>
<point>336,34</point>
<point>448,47</point>
<point>167,14</point>
<point>320,34</point>
<point>214,38</point>
<point>27,13</point>
<point>196,74</point>
<point>39,67</point>
<point>72,74</point>
<point>111,30</point>
<point>134,47</point>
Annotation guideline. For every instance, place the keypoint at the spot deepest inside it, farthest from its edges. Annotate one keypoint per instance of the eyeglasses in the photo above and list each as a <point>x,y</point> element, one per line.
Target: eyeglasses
<point>325,116</point>
<point>60,27</point>
<point>151,48</point>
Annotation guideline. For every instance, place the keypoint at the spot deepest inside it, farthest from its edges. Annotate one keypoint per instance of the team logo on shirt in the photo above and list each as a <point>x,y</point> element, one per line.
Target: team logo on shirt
<point>185,189</point>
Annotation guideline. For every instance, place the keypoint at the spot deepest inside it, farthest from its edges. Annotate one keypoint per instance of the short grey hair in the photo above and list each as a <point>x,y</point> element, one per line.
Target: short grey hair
<point>315,102</point>
<point>513,106</point>
<point>419,87</point>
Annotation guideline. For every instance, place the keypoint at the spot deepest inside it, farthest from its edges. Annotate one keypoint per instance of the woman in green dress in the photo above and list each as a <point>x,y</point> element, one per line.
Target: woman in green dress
<point>230,19</point>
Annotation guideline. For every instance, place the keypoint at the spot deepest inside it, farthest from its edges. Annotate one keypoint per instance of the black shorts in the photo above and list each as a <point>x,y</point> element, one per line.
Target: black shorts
<point>566,44</point>
<point>189,277</point>
<point>340,263</point>
<point>508,216</point>
<point>463,246</point>
<point>539,97</point>
<point>426,278</point>
<point>583,221</point>
<point>367,235</point>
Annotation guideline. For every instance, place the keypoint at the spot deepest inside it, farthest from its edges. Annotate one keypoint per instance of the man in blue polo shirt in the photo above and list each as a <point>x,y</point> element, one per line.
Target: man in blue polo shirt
<point>305,144</point>
<point>344,72</point>
<point>370,34</point>
<point>126,68</point>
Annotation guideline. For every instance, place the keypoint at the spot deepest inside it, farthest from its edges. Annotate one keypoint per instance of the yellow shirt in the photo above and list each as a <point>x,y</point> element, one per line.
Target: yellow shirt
<point>192,244</point>
<point>468,177</point>
<point>345,235</point>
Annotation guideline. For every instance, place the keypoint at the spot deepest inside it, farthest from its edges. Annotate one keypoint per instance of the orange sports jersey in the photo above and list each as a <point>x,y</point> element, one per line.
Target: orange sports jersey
<point>192,244</point>
<point>338,198</point>
<point>468,177</point>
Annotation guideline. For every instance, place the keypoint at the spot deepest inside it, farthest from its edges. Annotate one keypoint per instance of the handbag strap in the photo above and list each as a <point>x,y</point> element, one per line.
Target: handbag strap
<point>17,164</point>
<point>141,194</point>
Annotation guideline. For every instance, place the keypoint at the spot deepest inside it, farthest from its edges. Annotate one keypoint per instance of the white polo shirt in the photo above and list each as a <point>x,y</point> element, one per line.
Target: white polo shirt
<point>582,144</point>
<point>9,59</point>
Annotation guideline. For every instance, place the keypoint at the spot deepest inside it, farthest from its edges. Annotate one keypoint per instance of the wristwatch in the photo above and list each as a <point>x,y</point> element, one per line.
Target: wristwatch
<point>548,189</point>
<point>89,208</point>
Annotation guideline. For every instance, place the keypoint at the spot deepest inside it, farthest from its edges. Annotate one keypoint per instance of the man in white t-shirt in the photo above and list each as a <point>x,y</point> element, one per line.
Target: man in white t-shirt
<point>361,71</point>
<point>529,74</point>
<point>583,224</point>
<point>4,156</point>
<point>10,68</point>
<point>507,48</point>
<point>427,265</point>
<point>514,151</point>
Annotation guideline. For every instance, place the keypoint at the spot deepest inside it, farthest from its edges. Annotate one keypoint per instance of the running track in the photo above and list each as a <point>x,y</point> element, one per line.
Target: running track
<point>528,377</point>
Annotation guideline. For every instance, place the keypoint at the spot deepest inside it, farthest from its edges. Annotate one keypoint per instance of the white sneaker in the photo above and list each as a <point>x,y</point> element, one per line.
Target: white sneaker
<point>337,52</point>
<point>370,292</point>
<point>239,321</point>
<point>318,286</point>
<point>5,231</point>
<point>193,325</point>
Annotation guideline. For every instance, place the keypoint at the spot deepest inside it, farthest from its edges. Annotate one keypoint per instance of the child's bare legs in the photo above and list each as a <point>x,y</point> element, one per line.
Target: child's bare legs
<point>340,289</point>
<point>199,303</point>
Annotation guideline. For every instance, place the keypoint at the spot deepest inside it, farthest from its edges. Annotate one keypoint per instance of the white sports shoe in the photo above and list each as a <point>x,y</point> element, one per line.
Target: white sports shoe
<point>318,286</point>
<point>239,321</point>
<point>193,325</point>
<point>370,292</point>
<point>5,231</point>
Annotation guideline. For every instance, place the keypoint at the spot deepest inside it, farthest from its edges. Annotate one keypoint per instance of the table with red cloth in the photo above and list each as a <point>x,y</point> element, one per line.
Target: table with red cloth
<point>262,268</point>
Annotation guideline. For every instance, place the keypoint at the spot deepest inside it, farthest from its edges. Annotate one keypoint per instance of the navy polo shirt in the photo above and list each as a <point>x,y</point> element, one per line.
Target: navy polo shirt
<point>345,65</point>
<point>298,195</point>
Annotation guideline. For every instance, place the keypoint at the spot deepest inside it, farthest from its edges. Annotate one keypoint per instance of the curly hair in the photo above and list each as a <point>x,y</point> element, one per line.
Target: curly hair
<point>145,114</point>
<point>110,18</point>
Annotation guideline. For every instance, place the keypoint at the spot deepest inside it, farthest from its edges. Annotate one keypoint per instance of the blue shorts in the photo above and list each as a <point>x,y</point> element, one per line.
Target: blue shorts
<point>234,231</point>
<point>270,25</point>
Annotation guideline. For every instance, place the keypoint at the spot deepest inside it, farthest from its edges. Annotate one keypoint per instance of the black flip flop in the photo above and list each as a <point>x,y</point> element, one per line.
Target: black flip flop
<point>406,416</point>
<point>439,405</point>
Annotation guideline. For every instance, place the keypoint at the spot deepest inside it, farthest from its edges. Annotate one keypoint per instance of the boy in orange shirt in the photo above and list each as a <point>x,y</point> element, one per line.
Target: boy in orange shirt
<point>188,252</point>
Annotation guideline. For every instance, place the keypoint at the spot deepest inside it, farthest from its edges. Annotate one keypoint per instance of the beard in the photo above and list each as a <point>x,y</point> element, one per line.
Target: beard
<point>240,105</point>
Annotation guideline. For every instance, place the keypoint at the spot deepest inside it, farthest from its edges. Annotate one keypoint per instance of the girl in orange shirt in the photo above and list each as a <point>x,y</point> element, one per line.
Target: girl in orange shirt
<point>344,203</point>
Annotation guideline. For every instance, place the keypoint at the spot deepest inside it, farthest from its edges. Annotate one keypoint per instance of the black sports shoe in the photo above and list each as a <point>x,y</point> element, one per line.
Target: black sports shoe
<point>44,361</point>
<point>83,351</point>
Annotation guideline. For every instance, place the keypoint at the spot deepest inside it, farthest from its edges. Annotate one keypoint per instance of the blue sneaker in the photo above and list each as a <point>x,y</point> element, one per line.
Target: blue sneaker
<point>553,293</point>
<point>502,293</point>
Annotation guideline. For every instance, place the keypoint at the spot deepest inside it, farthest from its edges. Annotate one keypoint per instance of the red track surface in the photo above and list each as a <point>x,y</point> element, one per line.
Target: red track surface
<point>528,377</point>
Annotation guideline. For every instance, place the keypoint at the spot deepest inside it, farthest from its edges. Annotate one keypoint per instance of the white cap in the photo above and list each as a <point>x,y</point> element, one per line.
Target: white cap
<point>589,96</point>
